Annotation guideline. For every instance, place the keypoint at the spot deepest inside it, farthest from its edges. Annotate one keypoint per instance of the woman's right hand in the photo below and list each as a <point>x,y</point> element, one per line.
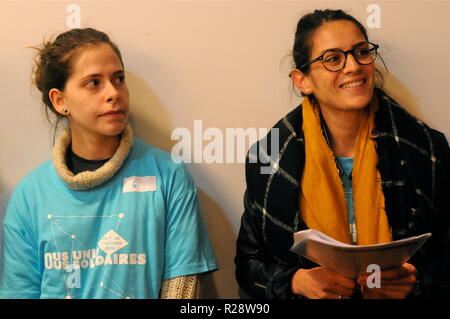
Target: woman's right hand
<point>322,283</point>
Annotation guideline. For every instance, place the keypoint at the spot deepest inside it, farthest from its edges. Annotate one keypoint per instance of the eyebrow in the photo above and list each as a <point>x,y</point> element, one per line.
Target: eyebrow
<point>353,47</point>
<point>98,75</point>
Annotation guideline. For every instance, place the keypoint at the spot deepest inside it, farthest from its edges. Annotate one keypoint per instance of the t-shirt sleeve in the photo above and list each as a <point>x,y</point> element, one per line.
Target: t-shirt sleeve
<point>20,277</point>
<point>187,249</point>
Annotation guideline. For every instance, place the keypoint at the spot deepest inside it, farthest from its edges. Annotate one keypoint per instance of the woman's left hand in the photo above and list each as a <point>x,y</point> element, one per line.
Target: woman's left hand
<point>396,283</point>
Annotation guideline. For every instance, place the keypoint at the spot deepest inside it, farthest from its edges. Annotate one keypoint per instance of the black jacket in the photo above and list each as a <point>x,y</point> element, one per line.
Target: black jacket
<point>414,164</point>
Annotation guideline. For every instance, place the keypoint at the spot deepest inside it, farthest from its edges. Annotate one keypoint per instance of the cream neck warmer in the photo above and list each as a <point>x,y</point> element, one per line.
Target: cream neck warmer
<point>90,179</point>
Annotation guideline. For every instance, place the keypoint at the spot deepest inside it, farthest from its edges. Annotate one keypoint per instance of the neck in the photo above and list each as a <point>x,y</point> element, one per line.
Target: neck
<point>94,146</point>
<point>343,127</point>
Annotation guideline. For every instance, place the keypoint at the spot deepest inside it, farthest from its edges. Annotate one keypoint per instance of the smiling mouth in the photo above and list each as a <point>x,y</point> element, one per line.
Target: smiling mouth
<point>353,84</point>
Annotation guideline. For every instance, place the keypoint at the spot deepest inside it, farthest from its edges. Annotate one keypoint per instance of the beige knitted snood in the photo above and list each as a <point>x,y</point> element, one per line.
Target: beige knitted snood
<point>89,179</point>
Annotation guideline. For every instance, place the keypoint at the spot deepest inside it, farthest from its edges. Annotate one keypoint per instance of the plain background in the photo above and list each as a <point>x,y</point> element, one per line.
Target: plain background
<point>222,62</point>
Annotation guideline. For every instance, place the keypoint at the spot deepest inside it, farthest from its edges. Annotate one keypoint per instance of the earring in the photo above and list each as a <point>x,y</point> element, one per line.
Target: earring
<point>66,112</point>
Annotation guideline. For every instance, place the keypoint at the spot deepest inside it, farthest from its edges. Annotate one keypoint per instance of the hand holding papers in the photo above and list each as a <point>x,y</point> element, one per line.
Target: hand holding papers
<point>352,260</point>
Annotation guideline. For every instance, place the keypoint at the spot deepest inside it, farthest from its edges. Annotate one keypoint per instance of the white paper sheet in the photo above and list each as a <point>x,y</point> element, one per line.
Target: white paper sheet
<point>352,260</point>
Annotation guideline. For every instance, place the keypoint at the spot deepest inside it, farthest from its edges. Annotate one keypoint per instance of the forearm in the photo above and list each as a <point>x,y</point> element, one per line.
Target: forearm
<point>258,272</point>
<point>265,280</point>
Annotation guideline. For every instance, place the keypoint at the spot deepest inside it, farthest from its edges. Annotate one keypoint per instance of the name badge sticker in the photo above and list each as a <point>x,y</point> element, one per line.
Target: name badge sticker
<point>139,184</point>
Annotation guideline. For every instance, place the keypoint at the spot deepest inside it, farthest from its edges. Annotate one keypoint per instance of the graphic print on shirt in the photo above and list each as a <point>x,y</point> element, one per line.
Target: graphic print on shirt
<point>74,254</point>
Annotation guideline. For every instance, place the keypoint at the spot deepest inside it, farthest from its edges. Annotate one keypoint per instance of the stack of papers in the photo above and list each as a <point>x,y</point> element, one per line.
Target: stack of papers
<point>352,260</point>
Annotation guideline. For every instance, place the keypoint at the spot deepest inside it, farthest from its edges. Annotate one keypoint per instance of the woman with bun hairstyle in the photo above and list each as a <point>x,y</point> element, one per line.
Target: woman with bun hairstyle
<point>109,216</point>
<point>352,164</point>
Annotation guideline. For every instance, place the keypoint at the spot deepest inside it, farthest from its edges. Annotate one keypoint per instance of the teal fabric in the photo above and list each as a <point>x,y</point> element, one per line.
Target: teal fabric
<point>118,240</point>
<point>347,165</point>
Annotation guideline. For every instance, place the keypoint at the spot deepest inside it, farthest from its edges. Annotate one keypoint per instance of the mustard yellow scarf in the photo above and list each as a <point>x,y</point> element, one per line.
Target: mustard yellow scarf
<point>322,202</point>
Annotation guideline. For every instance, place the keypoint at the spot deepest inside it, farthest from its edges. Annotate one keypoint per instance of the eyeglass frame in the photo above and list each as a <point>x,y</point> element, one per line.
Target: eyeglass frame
<point>352,51</point>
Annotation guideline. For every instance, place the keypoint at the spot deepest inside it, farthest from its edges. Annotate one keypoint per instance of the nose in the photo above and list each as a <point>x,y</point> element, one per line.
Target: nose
<point>112,93</point>
<point>351,65</point>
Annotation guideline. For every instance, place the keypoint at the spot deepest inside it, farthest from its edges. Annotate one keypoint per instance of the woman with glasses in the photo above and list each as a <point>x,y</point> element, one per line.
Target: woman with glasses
<point>352,164</point>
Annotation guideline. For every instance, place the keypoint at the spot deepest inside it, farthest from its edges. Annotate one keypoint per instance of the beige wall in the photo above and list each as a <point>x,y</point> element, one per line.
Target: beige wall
<point>222,62</point>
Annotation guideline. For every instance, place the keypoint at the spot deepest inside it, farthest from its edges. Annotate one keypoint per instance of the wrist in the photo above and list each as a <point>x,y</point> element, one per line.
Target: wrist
<point>296,282</point>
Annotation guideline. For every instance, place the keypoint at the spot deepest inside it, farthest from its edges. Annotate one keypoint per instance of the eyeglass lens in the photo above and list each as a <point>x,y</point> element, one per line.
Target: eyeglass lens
<point>334,60</point>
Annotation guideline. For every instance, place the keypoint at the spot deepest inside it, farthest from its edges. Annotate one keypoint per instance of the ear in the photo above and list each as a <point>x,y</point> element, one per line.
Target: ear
<point>301,81</point>
<point>57,99</point>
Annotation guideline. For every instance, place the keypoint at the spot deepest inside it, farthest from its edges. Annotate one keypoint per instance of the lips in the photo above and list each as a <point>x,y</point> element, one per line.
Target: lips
<point>113,113</point>
<point>352,84</point>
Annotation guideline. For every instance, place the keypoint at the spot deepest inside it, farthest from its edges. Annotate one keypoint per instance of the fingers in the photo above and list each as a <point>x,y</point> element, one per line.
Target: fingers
<point>344,282</point>
<point>397,288</point>
<point>387,294</point>
<point>342,293</point>
<point>338,296</point>
<point>405,281</point>
<point>335,293</point>
<point>341,287</point>
<point>394,283</point>
<point>400,275</point>
<point>395,292</point>
<point>322,283</point>
<point>396,273</point>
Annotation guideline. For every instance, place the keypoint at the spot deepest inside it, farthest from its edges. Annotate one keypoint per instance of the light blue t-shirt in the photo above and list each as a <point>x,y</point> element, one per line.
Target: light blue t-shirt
<point>347,165</point>
<point>118,240</point>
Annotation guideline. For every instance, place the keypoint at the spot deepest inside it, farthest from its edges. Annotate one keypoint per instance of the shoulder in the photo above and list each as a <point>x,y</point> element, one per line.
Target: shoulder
<point>153,155</point>
<point>392,113</point>
<point>290,125</point>
<point>31,185</point>
<point>394,119</point>
<point>146,158</point>
<point>36,177</point>
<point>280,151</point>
<point>286,129</point>
<point>396,126</point>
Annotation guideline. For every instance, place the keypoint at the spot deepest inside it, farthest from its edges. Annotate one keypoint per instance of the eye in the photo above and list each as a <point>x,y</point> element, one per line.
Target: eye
<point>119,80</point>
<point>332,58</point>
<point>363,52</point>
<point>93,83</point>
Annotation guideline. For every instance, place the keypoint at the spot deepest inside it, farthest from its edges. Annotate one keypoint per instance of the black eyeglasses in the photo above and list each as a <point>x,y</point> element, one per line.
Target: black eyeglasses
<point>335,59</point>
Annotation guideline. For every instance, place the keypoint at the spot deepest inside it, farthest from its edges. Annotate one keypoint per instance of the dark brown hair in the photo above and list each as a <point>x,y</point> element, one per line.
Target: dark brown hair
<point>54,61</point>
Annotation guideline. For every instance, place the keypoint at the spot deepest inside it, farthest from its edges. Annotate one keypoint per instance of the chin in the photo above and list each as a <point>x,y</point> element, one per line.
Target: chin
<point>113,129</point>
<point>357,103</point>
